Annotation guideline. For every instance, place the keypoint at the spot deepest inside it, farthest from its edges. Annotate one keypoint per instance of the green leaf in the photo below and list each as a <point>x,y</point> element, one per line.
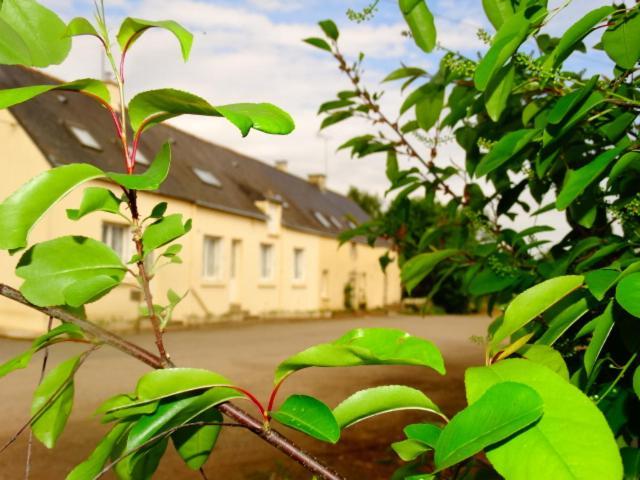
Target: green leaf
<point>155,175</point>
<point>318,43</point>
<point>498,91</point>
<point>95,199</point>
<point>22,360</point>
<point>150,108</point>
<point>366,346</point>
<point>487,282</point>
<point>195,444</point>
<point>560,445</point>
<point>416,269</point>
<point>14,96</point>
<point>133,28</point>
<point>630,160</point>
<point>503,151</point>
<point>547,356</point>
<point>409,450</point>
<point>172,381</point>
<point>562,316</point>
<point>309,415</point>
<point>425,433</point>
<point>636,382</point>
<point>498,11</point>
<point>574,35</point>
<point>421,23</point>
<point>404,72</point>
<point>52,402</point>
<point>93,465</point>
<point>600,281</point>
<point>503,410</point>
<point>24,208</point>
<point>330,29</point>
<point>80,26</point>
<point>90,290</point>
<point>577,181</point>
<point>140,465</point>
<point>57,272</point>
<point>604,325</point>
<point>31,34</point>
<point>429,107</point>
<point>621,41</point>
<point>164,231</point>
<point>631,460</point>
<point>628,294</point>
<point>506,42</point>
<point>376,401</point>
<point>532,303</point>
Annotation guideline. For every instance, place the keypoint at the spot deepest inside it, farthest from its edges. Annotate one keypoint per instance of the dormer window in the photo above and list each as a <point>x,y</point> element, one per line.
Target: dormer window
<point>322,219</point>
<point>336,222</point>
<point>142,159</point>
<point>207,177</point>
<point>85,137</point>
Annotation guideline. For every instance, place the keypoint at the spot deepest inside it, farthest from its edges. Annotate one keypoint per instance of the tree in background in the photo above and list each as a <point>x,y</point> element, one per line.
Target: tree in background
<point>369,202</point>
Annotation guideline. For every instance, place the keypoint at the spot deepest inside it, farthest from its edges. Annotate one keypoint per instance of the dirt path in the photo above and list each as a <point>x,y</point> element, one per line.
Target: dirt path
<point>247,354</point>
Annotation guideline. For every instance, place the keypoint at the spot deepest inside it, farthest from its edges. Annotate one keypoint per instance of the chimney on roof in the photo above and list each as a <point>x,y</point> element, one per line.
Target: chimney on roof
<point>319,180</point>
<point>282,165</point>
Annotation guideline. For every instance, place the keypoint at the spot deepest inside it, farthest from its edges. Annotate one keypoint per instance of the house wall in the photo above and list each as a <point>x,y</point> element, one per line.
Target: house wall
<point>209,299</point>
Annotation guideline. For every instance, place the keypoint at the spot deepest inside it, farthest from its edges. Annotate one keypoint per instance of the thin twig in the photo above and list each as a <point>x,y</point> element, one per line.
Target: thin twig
<point>45,359</point>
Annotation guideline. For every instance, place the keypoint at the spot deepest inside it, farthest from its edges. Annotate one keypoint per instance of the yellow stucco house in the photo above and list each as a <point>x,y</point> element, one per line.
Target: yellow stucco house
<point>263,241</point>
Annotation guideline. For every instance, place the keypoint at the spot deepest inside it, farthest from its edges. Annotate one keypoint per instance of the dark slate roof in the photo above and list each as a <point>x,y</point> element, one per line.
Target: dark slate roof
<point>244,180</point>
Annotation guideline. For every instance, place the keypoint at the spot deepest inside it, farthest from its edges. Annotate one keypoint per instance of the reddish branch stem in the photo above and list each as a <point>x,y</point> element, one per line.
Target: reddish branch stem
<point>270,436</point>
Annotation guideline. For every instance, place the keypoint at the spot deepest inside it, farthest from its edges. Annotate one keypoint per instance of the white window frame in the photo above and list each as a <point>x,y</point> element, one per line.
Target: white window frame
<point>117,237</point>
<point>212,267</point>
<point>322,219</point>
<point>207,177</point>
<point>299,270</point>
<point>267,262</point>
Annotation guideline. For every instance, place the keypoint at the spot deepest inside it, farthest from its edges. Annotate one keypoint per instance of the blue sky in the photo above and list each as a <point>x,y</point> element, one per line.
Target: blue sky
<point>251,50</point>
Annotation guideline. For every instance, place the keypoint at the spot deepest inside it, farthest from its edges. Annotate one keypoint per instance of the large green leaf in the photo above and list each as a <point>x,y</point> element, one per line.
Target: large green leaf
<point>600,281</point>
<point>577,181</point>
<point>64,270</point>
<point>366,346</point>
<point>31,34</point>
<point>22,210</point>
<point>409,449</point>
<point>93,465</point>
<point>133,28</point>
<point>498,91</point>
<point>152,178</point>
<point>14,96</point>
<point>506,42</point>
<point>95,199</point>
<point>417,268</point>
<point>52,402</point>
<point>628,294</point>
<point>562,316</point>
<point>164,231</point>
<point>621,41</point>
<point>80,26</point>
<point>142,464</point>
<point>532,303</point>
<point>603,327</point>
<point>164,383</point>
<point>498,11</point>
<point>636,382</point>
<point>22,360</point>
<point>421,23</point>
<point>503,410</point>
<point>547,356</point>
<point>429,107</point>
<point>503,151</point>
<point>574,35</point>
<point>150,108</point>
<point>424,433</point>
<point>195,444</point>
<point>378,400</point>
<point>309,415</point>
<point>570,102</point>
<point>560,445</point>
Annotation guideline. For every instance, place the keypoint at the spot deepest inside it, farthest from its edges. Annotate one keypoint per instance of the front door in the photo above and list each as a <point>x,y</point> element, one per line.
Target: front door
<point>234,274</point>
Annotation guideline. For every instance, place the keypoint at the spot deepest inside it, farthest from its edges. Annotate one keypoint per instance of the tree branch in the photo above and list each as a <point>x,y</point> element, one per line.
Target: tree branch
<point>270,436</point>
